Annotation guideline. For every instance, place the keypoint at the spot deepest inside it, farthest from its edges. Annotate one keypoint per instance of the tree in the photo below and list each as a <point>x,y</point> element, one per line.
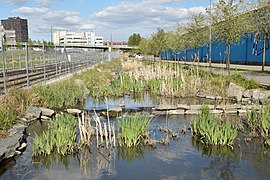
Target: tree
<point>197,32</point>
<point>19,45</point>
<point>134,39</point>
<point>30,42</point>
<point>228,23</point>
<point>158,42</point>
<point>144,46</point>
<point>260,21</point>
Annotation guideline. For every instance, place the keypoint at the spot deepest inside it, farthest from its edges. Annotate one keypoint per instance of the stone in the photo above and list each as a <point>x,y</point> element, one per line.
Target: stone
<point>246,100</point>
<point>258,94</point>
<point>254,106</point>
<point>229,107</point>
<point>183,106</point>
<point>177,112</point>
<point>191,112</point>
<point>32,111</point>
<point>211,107</point>
<point>9,145</point>
<point>45,118</point>
<point>201,94</point>
<point>212,97</point>
<point>47,112</point>
<point>241,111</point>
<point>164,107</point>
<point>235,91</point>
<point>74,111</point>
<point>116,109</point>
<point>196,107</point>
<point>247,93</point>
<point>219,98</point>
<point>230,111</point>
<point>23,145</point>
<point>216,111</point>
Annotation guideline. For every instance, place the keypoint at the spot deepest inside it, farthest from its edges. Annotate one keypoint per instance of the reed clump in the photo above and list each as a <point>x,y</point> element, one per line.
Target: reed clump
<point>213,131</point>
<point>131,130</point>
<point>60,136</point>
<point>259,120</point>
<point>173,79</point>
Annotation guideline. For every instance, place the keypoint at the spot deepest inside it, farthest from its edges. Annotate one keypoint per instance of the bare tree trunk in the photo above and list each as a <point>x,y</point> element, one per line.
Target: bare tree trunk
<point>264,53</point>
<point>228,56</point>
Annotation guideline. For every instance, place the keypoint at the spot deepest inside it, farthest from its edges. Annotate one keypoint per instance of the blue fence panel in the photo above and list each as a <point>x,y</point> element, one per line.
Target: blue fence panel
<point>248,51</point>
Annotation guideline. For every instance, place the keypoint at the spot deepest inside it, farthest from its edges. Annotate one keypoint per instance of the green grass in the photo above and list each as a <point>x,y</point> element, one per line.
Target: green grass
<point>60,95</point>
<point>245,83</point>
<point>260,120</point>
<point>60,136</point>
<point>212,131</point>
<point>131,130</point>
<point>13,106</point>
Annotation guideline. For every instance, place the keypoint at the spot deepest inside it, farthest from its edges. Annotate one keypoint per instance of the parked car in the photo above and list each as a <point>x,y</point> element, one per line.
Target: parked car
<point>139,56</point>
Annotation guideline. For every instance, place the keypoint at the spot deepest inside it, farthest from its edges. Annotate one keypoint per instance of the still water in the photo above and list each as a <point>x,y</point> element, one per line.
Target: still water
<point>183,158</point>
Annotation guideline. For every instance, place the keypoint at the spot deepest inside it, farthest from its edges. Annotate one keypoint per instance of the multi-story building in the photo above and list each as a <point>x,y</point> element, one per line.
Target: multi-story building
<point>8,36</point>
<point>66,38</point>
<point>19,25</point>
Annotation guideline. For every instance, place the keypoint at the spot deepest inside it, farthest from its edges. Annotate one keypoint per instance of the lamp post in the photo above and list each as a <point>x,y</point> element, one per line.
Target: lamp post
<point>210,35</point>
<point>3,61</point>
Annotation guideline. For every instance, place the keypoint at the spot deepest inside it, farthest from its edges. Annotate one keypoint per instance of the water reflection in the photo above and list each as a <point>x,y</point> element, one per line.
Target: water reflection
<point>223,162</point>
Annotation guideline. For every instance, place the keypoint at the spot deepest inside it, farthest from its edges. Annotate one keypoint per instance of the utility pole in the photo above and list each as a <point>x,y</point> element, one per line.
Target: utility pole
<point>26,64</point>
<point>210,36</point>
<point>3,62</point>
<point>51,35</point>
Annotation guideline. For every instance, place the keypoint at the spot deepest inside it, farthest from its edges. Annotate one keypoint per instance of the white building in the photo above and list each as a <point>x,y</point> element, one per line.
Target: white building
<point>65,38</point>
<point>8,35</point>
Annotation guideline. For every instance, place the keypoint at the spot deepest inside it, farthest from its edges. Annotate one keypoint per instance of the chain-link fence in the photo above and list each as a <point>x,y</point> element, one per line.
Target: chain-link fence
<point>26,66</point>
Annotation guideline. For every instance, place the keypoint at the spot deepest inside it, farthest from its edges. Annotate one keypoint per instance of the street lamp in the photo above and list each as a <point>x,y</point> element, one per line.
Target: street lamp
<point>210,35</point>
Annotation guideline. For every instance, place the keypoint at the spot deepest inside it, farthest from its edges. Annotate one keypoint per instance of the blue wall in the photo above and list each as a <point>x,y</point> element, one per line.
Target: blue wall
<point>245,52</point>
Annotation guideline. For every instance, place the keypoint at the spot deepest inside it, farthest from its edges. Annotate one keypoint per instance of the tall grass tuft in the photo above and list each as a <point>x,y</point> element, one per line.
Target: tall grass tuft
<point>63,94</point>
<point>260,119</point>
<point>13,105</point>
<point>60,136</point>
<point>212,131</point>
<point>131,130</point>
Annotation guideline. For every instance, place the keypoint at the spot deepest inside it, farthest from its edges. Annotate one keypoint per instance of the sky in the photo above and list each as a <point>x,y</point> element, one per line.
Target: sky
<point>112,19</point>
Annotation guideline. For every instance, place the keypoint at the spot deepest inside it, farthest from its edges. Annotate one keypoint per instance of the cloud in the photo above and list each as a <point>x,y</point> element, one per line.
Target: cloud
<point>15,2</point>
<point>121,20</point>
<point>143,17</point>
<point>43,2</point>
<point>31,11</point>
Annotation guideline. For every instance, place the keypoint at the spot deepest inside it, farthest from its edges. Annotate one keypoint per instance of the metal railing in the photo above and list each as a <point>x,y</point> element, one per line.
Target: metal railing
<point>25,67</point>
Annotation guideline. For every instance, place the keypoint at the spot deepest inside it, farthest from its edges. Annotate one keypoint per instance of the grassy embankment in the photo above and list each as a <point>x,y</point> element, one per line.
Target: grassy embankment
<point>115,79</point>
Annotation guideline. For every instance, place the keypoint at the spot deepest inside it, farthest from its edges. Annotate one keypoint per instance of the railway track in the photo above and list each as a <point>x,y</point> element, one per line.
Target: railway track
<point>42,73</point>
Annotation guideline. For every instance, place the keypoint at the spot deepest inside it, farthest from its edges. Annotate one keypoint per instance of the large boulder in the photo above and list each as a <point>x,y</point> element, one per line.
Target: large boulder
<point>259,95</point>
<point>10,145</point>
<point>33,112</point>
<point>235,91</point>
